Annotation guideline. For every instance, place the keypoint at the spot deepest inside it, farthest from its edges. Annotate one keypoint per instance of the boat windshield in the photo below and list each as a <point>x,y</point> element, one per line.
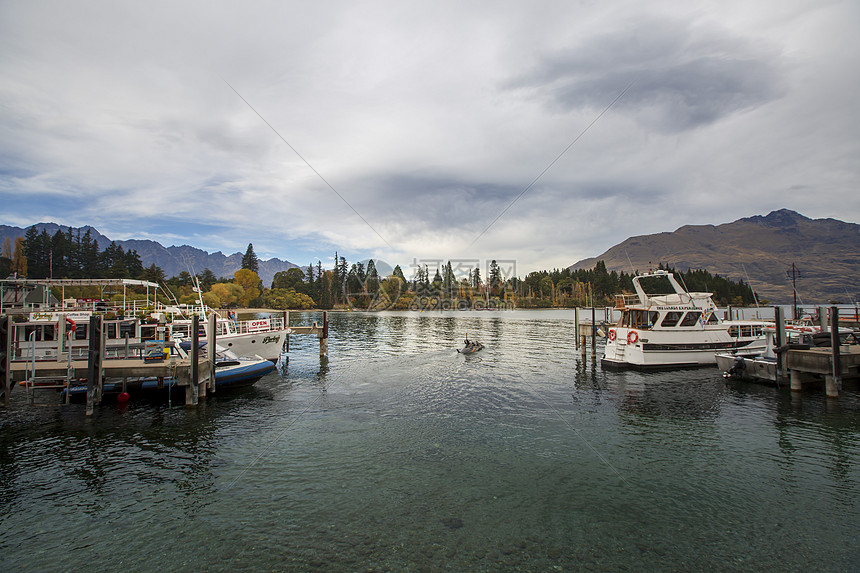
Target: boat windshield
<point>638,318</point>
<point>691,318</point>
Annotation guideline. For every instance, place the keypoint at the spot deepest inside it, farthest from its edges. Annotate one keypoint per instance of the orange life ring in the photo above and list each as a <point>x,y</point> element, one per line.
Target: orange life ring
<point>611,334</point>
<point>632,337</point>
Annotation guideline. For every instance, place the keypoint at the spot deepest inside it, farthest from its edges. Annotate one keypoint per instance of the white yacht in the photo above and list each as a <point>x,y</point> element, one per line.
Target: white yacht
<point>262,336</point>
<point>679,329</point>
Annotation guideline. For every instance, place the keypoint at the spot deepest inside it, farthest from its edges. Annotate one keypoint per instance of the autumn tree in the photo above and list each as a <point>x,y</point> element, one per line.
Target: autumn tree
<point>228,293</point>
<point>250,283</point>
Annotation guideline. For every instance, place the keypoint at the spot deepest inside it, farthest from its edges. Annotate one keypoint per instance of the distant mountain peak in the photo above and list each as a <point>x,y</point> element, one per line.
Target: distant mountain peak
<point>779,218</point>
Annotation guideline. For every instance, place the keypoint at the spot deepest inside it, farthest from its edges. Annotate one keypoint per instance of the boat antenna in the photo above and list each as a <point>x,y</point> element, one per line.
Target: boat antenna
<point>632,270</point>
<point>686,288</point>
<point>793,274</point>
<point>755,298</point>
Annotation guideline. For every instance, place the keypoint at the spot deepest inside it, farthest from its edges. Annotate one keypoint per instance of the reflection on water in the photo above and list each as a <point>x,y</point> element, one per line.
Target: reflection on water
<point>397,453</point>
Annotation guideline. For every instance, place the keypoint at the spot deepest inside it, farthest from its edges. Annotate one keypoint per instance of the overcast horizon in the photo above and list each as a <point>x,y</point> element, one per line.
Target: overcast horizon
<point>543,133</point>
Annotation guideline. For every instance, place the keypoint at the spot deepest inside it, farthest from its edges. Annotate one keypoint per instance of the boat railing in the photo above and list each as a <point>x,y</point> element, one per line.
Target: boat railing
<point>259,325</point>
<point>622,301</point>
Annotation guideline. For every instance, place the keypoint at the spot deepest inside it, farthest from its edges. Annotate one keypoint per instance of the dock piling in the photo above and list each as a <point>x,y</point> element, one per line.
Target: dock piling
<point>576,327</point>
<point>210,345</point>
<point>779,319</point>
<point>593,332</point>
<point>191,391</point>
<point>324,336</point>
<point>833,383</point>
<point>95,355</point>
<point>5,357</point>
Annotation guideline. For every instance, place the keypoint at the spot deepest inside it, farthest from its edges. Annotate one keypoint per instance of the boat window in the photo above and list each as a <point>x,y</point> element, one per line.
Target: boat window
<point>126,328</point>
<point>652,318</point>
<point>713,319</point>
<point>671,318</point>
<point>733,331</point>
<point>81,331</point>
<point>28,330</point>
<point>691,318</point>
<point>111,329</point>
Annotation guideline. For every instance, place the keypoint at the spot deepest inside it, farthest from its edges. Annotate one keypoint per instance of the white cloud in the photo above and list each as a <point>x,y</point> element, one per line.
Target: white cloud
<point>428,119</point>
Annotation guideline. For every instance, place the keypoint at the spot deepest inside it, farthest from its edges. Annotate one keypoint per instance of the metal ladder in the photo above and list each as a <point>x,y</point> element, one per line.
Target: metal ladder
<point>32,383</point>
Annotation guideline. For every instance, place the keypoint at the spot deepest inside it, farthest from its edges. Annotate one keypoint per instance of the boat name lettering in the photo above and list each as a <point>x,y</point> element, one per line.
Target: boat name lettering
<point>77,316</point>
<point>269,339</point>
<point>677,308</point>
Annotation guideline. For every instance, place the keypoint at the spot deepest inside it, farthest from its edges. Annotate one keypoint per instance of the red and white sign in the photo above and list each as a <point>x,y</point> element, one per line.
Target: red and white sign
<point>260,325</point>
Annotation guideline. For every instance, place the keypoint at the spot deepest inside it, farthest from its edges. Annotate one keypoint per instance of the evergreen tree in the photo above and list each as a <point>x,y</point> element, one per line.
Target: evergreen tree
<point>372,279</point>
<point>398,272</point>
<point>343,272</point>
<point>250,261</point>
<point>312,283</point>
<point>494,278</point>
<point>437,282</point>
<point>88,253</point>
<point>448,280</point>
<point>207,279</point>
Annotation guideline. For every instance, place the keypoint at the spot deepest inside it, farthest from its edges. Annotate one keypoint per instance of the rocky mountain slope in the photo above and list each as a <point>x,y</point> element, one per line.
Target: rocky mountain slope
<point>825,251</point>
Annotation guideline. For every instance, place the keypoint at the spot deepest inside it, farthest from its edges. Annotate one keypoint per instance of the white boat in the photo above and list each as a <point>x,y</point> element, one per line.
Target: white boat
<point>679,329</point>
<point>259,336</point>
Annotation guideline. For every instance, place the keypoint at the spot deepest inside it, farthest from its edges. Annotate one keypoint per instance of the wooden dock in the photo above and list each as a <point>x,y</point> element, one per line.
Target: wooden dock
<point>57,373</point>
<point>835,363</point>
<point>804,364</point>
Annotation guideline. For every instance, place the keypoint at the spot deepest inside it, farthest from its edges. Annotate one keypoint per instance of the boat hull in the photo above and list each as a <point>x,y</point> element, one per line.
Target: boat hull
<point>754,368</point>
<point>246,373</point>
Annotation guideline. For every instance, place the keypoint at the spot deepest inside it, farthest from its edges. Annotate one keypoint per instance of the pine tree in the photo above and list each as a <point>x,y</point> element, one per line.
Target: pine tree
<point>250,260</point>
<point>494,278</point>
<point>372,278</point>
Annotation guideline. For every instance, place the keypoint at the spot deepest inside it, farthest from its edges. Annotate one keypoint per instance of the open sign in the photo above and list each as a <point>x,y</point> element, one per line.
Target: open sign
<point>258,325</point>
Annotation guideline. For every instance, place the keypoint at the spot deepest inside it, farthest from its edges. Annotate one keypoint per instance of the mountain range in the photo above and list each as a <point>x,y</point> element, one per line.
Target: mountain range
<point>760,250</point>
<point>173,260</point>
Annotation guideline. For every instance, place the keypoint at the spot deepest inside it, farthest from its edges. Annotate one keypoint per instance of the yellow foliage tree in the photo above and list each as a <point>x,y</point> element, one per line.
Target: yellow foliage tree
<point>228,293</point>
<point>250,283</point>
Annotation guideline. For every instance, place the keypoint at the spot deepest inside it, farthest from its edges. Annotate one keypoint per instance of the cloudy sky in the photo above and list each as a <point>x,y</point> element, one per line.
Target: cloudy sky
<point>403,130</point>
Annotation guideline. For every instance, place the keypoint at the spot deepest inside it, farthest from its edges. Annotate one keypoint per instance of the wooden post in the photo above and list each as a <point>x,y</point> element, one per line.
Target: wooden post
<point>94,363</point>
<point>6,356</point>
<point>593,332</point>
<point>60,334</point>
<point>286,348</point>
<point>822,319</point>
<point>191,389</point>
<point>796,381</point>
<point>576,327</point>
<point>324,336</point>
<point>833,384</point>
<point>582,345</point>
<point>210,345</point>
<point>729,312</point>
<point>778,341</point>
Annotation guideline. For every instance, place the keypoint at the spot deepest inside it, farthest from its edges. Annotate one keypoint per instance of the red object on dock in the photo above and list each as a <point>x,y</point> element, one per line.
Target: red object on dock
<point>122,397</point>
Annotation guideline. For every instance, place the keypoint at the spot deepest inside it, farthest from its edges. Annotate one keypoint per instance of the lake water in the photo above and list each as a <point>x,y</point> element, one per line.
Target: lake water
<point>399,454</point>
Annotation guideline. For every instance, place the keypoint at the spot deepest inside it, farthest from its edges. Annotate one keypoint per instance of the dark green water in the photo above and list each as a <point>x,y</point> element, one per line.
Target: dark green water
<point>400,454</point>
